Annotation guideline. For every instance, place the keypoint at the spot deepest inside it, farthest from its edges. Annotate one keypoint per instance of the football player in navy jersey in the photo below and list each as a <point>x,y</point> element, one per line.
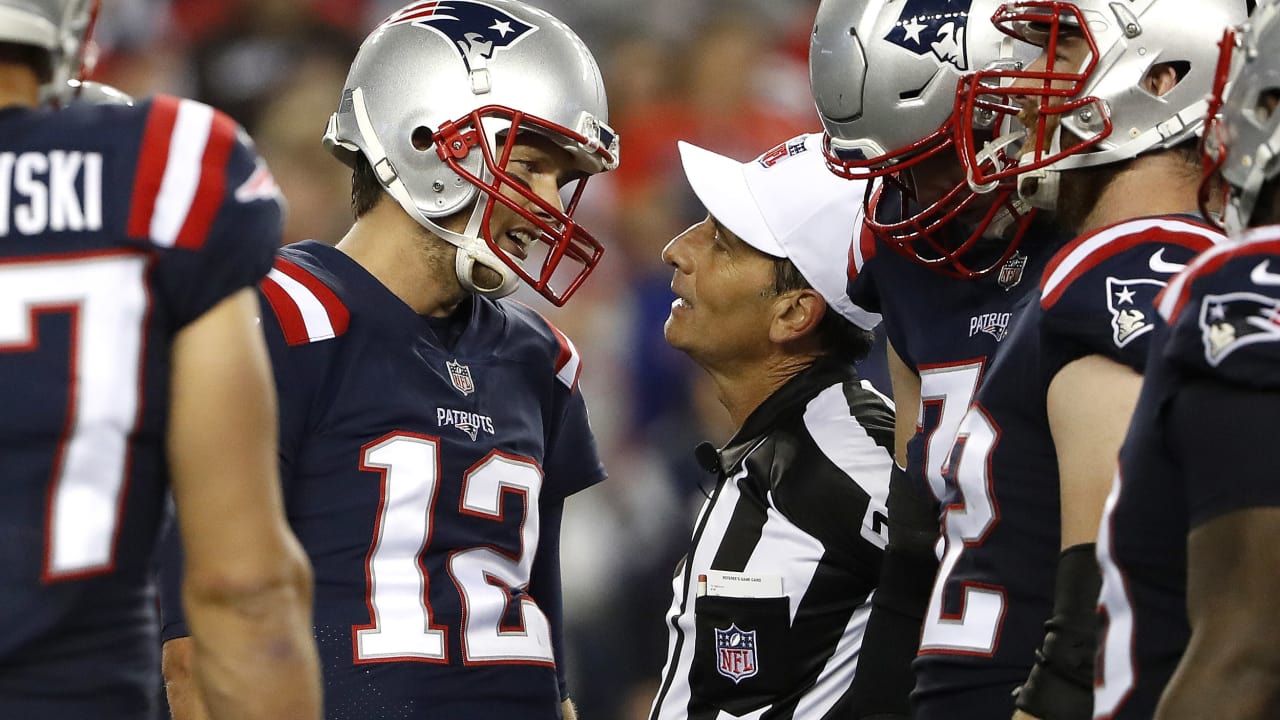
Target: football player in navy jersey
<point>947,267</point>
<point>1187,544</point>
<point>1109,111</point>
<point>430,431</point>
<point>130,241</point>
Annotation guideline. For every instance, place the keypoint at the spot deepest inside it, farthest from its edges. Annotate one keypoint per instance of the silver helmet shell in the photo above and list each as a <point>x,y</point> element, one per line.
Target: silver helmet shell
<point>60,27</point>
<point>883,75</point>
<point>431,102</point>
<point>1104,114</point>
<point>1242,135</point>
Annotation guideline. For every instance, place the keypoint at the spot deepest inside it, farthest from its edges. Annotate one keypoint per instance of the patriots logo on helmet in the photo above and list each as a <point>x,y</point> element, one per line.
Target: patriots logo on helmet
<point>1129,302</point>
<point>476,30</point>
<point>934,26</point>
<point>1229,322</point>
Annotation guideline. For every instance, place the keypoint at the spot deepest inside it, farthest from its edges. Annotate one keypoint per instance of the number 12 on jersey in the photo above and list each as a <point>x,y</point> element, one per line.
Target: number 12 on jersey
<point>402,626</point>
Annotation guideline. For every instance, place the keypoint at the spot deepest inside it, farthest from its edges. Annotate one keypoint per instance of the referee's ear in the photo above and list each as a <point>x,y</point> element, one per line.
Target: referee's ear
<point>796,314</point>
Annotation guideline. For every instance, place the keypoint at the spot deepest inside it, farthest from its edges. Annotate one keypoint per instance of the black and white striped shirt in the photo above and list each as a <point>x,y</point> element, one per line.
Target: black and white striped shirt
<point>798,522</point>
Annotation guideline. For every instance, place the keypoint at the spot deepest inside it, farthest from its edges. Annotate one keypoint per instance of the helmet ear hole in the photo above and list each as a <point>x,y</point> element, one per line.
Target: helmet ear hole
<point>423,138</point>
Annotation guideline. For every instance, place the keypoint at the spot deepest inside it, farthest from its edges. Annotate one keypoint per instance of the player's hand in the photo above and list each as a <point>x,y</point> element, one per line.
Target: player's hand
<point>1023,715</point>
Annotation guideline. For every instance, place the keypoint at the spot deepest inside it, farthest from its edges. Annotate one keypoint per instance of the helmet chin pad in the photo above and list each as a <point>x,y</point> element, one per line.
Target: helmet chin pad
<point>467,262</point>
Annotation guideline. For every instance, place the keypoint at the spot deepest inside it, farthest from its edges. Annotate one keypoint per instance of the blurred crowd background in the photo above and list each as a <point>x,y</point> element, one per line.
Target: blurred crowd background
<point>730,75</point>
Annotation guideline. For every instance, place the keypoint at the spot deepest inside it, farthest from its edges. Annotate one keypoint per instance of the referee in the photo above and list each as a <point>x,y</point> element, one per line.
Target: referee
<point>771,601</point>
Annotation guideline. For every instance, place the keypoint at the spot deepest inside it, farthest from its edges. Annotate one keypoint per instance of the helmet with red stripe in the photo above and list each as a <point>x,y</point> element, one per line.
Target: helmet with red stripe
<point>883,75</point>
<point>1083,102</point>
<point>435,101</point>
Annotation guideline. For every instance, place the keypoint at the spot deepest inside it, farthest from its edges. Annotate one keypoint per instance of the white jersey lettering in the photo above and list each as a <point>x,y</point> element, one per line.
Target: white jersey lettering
<point>59,191</point>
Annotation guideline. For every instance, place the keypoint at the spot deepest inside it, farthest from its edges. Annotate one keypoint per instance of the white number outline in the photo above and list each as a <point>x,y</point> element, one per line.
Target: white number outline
<point>1115,672</point>
<point>953,400</point>
<point>105,294</point>
<point>975,630</point>
<point>481,575</point>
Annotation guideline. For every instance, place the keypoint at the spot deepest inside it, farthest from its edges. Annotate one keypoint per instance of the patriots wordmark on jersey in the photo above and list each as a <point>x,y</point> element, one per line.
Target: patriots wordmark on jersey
<point>425,463</point>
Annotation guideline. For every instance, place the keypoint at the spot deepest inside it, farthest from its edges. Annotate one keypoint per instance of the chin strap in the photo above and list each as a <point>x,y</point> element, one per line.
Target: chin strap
<point>472,250</point>
<point>992,153</point>
<point>1007,218</point>
<point>1040,188</point>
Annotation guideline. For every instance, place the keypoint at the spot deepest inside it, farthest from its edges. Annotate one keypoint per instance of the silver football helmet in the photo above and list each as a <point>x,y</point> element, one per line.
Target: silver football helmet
<point>1103,113</point>
<point>434,101</point>
<point>96,93</point>
<point>1242,134</point>
<point>61,27</point>
<point>883,75</point>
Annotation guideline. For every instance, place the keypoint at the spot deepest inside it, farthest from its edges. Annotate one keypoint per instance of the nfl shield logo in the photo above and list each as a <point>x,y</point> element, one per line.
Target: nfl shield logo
<point>736,653</point>
<point>1011,271</point>
<point>461,376</point>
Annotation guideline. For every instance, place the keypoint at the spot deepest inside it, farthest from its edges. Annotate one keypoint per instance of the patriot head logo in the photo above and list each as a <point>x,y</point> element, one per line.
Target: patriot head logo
<point>1229,322</point>
<point>1130,303</point>
<point>477,30</point>
<point>934,26</point>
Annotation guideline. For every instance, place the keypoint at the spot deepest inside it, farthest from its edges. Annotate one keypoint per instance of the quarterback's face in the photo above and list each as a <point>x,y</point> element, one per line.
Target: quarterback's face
<point>543,168</point>
<point>724,291</point>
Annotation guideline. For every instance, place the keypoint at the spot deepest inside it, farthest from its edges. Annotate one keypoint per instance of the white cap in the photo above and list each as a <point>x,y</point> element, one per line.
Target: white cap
<point>786,203</point>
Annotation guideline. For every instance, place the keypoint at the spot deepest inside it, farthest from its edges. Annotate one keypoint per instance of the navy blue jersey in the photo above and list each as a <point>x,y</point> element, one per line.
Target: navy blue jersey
<point>119,226</point>
<point>425,467</point>
<point>1001,516</point>
<point>944,328</point>
<point>1222,328</point>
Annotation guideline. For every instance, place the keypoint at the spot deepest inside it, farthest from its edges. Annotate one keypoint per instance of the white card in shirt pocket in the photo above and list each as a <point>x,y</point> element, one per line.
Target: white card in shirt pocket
<point>730,584</point>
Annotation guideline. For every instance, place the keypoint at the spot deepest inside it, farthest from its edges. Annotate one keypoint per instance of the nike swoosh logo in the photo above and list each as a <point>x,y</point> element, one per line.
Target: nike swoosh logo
<point>1160,265</point>
<point>1260,276</point>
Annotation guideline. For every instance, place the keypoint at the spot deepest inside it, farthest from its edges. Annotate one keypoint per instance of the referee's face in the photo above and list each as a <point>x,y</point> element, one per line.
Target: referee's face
<point>724,294</point>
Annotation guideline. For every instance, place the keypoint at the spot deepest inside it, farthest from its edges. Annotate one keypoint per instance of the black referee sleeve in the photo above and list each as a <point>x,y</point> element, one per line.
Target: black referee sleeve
<point>883,684</point>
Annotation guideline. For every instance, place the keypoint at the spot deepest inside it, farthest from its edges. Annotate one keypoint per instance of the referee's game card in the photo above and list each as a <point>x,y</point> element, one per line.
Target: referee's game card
<point>729,584</point>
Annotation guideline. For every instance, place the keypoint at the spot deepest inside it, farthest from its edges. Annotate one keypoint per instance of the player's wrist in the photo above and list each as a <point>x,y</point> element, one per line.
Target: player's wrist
<point>1060,685</point>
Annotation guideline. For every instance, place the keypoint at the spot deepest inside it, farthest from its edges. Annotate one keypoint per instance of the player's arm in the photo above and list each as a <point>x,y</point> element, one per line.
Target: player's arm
<point>247,584</point>
<point>883,684</point>
<point>1232,662</point>
<point>906,402</point>
<point>546,589</point>
<point>1090,403</point>
<point>181,690</point>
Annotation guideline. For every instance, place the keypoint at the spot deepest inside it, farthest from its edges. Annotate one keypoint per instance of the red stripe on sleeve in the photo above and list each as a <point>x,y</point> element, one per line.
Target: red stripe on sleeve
<point>565,354</point>
<point>212,189</point>
<point>1153,236</point>
<point>153,156</point>
<point>287,313</point>
<point>1212,264</point>
<point>867,244</point>
<point>339,317</point>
